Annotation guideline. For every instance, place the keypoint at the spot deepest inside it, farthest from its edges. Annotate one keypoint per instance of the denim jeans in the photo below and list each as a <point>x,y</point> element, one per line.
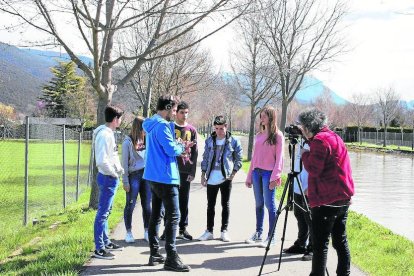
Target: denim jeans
<point>167,195</point>
<point>107,187</point>
<point>327,220</point>
<point>304,223</point>
<point>184,195</point>
<point>263,196</point>
<point>212,191</point>
<point>140,186</point>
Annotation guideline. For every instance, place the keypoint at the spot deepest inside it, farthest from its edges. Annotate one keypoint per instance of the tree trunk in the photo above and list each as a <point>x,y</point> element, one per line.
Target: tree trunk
<point>251,134</point>
<point>284,115</point>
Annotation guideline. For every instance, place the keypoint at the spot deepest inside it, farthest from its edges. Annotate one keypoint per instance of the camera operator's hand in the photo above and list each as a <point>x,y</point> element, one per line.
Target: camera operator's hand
<point>303,150</point>
<point>248,184</point>
<point>275,183</point>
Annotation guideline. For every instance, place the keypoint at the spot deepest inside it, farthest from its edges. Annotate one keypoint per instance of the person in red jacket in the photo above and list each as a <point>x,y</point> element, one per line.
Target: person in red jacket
<point>330,190</point>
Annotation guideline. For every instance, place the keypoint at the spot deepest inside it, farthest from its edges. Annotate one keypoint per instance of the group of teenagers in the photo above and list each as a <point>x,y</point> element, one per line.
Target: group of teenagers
<point>159,160</point>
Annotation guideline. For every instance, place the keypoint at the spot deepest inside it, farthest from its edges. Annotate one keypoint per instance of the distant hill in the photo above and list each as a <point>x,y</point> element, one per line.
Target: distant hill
<point>312,88</point>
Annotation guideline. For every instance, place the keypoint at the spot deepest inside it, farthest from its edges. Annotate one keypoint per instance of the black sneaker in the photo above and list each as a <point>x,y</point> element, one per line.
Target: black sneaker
<point>162,237</point>
<point>113,247</point>
<point>103,254</point>
<point>174,263</point>
<point>184,235</point>
<point>156,258</point>
<point>307,256</point>
<point>295,249</point>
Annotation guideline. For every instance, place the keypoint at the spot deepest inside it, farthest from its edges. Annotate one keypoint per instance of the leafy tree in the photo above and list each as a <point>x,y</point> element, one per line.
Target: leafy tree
<point>62,87</point>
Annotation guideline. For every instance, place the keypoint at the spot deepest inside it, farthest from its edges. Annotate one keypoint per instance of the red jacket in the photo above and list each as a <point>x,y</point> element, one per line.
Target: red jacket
<point>329,167</point>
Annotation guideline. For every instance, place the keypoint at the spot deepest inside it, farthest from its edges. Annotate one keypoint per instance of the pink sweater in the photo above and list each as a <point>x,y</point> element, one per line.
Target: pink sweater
<point>267,157</point>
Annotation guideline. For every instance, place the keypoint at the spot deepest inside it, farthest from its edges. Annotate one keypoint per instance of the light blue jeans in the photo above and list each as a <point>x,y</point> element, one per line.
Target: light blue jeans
<point>263,196</point>
<point>107,187</point>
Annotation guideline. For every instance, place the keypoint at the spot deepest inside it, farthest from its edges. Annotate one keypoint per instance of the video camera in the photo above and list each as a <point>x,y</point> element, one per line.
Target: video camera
<point>293,130</point>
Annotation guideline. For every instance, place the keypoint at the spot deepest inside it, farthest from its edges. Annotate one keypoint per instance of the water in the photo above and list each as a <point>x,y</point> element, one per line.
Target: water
<point>384,188</point>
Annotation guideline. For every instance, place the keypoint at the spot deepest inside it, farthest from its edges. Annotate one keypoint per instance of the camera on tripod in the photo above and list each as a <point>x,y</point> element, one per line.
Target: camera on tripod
<point>294,133</point>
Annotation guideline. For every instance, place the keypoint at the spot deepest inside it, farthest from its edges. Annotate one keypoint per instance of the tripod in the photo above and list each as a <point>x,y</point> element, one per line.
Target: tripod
<point>290,202</point>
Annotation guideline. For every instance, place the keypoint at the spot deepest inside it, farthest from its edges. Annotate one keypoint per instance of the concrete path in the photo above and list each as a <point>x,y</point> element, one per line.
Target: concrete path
<point>213,257</point>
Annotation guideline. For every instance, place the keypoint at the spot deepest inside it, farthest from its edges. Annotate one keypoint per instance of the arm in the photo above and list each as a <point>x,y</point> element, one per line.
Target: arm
<point>278,166</point>
<point>194,153</point>
<point>125,163</point>
<point>237,156</point>
<point>204,163</point>
<point>102,150</point>
<point>167,141</point>
<point>314,160</point>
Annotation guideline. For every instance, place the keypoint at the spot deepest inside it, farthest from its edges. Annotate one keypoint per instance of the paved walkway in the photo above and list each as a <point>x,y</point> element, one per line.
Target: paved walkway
<point>212,257</point>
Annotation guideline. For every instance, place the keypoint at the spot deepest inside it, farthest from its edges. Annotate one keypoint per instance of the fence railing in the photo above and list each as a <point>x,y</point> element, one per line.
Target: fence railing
<point>392,138</point>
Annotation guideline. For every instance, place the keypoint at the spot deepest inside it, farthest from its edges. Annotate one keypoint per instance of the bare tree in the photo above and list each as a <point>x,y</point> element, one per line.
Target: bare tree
<point>301,36</point>
<point>388,102</point>
<point>253,70</point>
<point>98,23</point>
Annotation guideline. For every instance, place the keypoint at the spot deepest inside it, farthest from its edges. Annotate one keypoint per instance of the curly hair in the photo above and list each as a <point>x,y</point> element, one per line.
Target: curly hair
<point>313,119</point>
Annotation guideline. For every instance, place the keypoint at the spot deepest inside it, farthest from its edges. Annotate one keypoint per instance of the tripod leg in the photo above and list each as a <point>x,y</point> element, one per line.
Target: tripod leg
<point>283,234</point>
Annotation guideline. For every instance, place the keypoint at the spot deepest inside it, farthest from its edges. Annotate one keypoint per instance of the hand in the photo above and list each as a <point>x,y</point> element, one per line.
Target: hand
<point>274,183</point>
<point>248,184</point>
<point>190,178</point>
<point>303,150</point>
<point>230,178</point>
<point>126,188</point>
<point>203,181</point>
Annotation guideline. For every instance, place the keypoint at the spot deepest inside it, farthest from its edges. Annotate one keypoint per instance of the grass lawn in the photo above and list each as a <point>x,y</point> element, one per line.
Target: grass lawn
<point>374,249</point>
<point>374,146</point>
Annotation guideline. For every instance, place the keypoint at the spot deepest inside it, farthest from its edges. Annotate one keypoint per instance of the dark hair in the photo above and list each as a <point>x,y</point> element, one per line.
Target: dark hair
<point>182,105</point>
<point>111,112</point>
<point>137,133</point>
<point>313,119</point>
<point>219,120</point>
<point>272,115</point>
<point>166,102</point>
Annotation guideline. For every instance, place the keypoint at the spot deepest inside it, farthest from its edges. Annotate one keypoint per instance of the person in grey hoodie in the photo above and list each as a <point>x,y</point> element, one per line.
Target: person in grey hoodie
<point>109,171</point>
<point>133,152</point>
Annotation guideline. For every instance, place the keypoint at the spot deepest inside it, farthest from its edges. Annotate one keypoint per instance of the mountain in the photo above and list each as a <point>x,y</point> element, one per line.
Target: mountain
<point>312,88</point>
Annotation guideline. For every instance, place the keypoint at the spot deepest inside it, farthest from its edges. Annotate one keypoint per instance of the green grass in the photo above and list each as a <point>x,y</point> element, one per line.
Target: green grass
<point>375,146</point>
<point>374,249</point>
<point>59,251</point>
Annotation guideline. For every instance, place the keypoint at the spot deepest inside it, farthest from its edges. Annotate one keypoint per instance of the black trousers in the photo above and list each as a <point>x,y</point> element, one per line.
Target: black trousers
<point>304,224</point>
<point>183,196</point>
<point>326,221</point>
<point>212,191</point>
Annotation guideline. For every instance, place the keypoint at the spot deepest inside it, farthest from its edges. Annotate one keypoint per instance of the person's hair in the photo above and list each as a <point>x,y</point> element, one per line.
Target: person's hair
<point>166,102</point>
<point>182,105</point>
<point>313,119</point>
<point>219,120</point>
<point>272,127</point>
<point>111,112</point>
<point>137,133</point>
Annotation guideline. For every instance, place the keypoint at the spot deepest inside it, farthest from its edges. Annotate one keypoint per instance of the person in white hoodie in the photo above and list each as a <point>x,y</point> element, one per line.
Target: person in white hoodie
<point>109,171</point>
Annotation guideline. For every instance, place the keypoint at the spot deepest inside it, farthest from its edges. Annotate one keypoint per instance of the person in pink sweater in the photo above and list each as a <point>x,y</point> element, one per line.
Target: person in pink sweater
<point>265,172</point>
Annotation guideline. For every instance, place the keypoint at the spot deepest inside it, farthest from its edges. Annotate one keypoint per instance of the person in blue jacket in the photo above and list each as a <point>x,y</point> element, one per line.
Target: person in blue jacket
<point>161,170</point>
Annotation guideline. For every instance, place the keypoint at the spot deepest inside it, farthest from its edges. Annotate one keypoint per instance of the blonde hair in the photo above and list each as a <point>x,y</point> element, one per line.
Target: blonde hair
<point>137,133</point>
<point>273,129</point>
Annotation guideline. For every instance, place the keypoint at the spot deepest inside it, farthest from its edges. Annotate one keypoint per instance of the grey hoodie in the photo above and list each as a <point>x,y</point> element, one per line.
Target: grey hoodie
<point>132,160</point>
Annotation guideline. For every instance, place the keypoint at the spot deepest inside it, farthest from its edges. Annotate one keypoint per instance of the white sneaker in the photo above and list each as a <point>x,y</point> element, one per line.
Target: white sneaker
<point>225,236</point>
<point>129,238</point>
<point>256,237</point>
<point>207,235</point>
<point>264,244</point>
<point>146,235</point>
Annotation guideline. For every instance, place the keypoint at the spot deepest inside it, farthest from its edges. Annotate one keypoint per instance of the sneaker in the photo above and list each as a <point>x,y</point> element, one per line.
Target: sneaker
<point>295,249</point>
<point>156,258</point>
<point>103,254</point>
<point>113,247</point>
<point>162,237</point>
<point>207,235</point>
<point>184,235</point>
<point>129,238</point>
<point>256,237</point>
<point>225,236</point>
<point>146,235</point>
<point>264,244</point>
<point>174,263</point>
<point>307,256</point>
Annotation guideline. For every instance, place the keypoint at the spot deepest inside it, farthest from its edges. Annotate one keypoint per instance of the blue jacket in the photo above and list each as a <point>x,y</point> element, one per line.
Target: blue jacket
<point>161,151</point>
<point>231,158</point>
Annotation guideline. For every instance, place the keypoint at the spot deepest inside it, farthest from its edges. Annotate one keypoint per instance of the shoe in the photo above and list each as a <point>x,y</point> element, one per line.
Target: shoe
<point>264,244</point>
<point>113,247</point>
<point>146,235</point>
<point>256,237</point>
<point>156,258</point>
<point>103,254</point>
<point>129,238</point>
<point>174,263</point>
<point>207,235</point>
<point>225,236</point>
<point>184,235</point>
<point>307,256</point>
<point>295,249</point>
<point>162,237</point>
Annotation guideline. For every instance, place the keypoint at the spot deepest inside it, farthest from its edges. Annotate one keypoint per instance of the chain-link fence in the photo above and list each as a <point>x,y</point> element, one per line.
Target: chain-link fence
<point>392,138</point>
<point>44,166</point>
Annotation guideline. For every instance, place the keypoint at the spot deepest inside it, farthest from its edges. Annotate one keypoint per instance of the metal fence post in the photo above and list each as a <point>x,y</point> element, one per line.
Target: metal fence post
<point>78,164</point>
<point>64,165</point>
<point>26,173</point>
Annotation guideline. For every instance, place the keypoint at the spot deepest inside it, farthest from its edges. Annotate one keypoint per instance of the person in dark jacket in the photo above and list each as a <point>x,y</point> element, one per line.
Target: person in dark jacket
<point>330,188</point>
